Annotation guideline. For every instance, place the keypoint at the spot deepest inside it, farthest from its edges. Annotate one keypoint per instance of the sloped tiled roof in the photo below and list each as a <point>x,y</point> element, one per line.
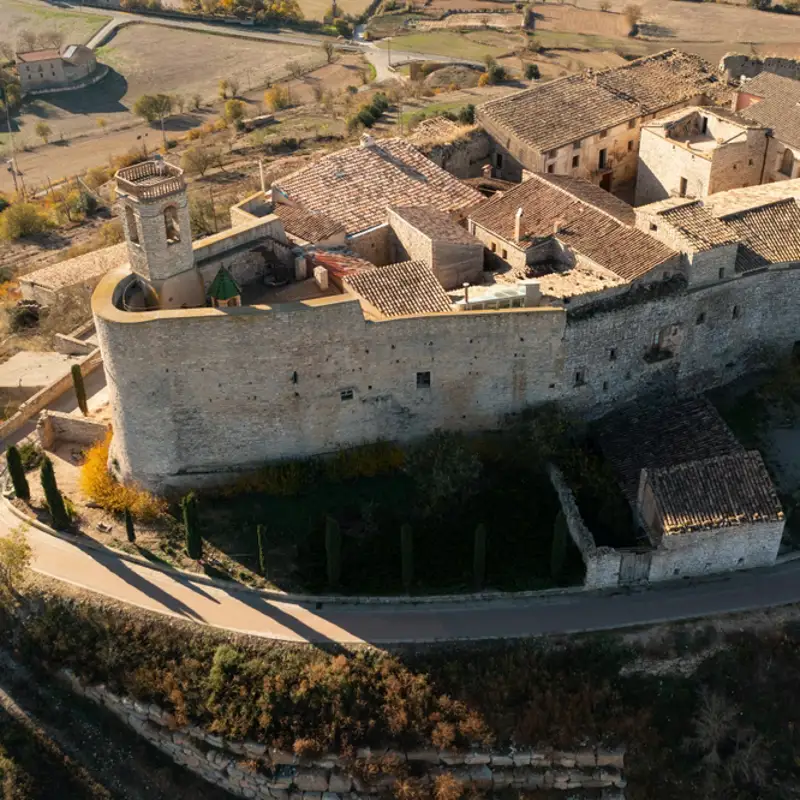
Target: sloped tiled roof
<point>641,436</point>
<point>401,289</point>
<point>73,271</point>
<point>701,229</point>
<point>769,234</point>
<point>308,225</point>
<point>587,228</point>
<point>339,264</point>
<point>715,492</point>
<point>437,225</point>
<point>568,109</point>
<point>355,186</point>
<point>780,107</point>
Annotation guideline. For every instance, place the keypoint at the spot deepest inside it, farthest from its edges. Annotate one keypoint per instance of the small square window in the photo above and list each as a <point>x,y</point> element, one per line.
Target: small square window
<point>631,124</point>
<point>735,312</point>
<point>603,134</point>
<point>505,253</point>
<point>551,168</point>
<point>576,161</point>
<point>665,275</point>
<point>580,378</point>
<point>701,318</point>
<point>721,273</point>
<point>630,146</point>
<point>605,386</point>
<point>346,394</point>
<point>576,145</point>
<point>749,162</point>
<point>612,354</point>
<point>653,226</point>
<point>494,247</point>
<point>423,380</point>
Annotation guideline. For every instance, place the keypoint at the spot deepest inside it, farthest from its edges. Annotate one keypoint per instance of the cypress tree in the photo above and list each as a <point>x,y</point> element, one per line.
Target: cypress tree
<point>261,535</point>
<point>333,551</point>
<point>194,542</point>
<point>407,547</point>
<point>129,526</point>
<point>55,502</point>
<point>558,551</point>
<point>80,389</point>
<point>479,557</point>
<point>17,472</point>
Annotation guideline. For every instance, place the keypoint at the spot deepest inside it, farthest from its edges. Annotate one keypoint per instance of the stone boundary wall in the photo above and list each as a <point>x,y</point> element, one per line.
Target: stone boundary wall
<point>56,426</point>
<point>253,770</point>
<point>91,80</point>
<point>47,395</point>
<point>735,66</point>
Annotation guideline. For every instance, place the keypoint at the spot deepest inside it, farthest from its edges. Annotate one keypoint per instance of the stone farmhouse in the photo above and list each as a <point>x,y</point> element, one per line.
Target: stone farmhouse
<point>588,125</point>
<point>55,69</point>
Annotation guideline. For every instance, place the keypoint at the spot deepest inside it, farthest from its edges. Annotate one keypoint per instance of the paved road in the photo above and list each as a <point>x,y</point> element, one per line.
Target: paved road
<point>247,612</point>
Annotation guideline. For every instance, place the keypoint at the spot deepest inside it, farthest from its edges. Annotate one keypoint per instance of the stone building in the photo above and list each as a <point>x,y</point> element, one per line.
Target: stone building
<point>667,299</point>
<point>695,152</point>
<point>55,69</point>
<point>588,125</point>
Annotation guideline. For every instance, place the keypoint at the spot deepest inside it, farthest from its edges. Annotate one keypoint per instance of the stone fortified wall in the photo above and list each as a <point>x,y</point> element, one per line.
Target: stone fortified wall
<point>737,65</point>
<point>200,394</point>
<point>252,770</point>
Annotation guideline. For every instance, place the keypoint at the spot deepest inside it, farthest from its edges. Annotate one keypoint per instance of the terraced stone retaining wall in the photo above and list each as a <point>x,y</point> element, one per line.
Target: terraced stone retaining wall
<point>253,770</point>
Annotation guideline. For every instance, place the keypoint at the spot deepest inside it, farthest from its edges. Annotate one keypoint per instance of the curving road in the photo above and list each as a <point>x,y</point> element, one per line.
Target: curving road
<point>249,612</point>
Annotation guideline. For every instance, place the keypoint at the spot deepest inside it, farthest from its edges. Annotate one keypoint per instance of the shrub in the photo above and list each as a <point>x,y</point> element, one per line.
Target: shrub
<point>532,72</point>
<point>194,542</point>
<point>333,551</point>
<point>484,79</point>
<point>80,389</point>
<point>100,486</point>
<point>496,73</point>
<point>22,219</point>
<point>366,117</point>
<point>343,28</point>
<point>466,116</point>
<point>53,497</point>
<point>15,557</point>
<point>17,472</point>
<point>234,110</point>
<point>365,461</point>
<point>276,98</point>
<point>31,455</point>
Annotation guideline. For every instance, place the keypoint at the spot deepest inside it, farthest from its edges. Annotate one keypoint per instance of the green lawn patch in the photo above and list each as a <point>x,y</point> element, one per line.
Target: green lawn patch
<point>413,116</point>
<point>471,46</point>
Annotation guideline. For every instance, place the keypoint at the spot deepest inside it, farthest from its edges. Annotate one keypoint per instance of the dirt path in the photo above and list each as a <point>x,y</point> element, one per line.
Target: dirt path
<point>108,758</point>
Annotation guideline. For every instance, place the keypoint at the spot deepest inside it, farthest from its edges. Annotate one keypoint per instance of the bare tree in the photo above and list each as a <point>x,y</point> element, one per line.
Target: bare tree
<point>633,14</point>
<point>26,40</point>
<point>51,38</point>
<point>330,52</point>
<point>197,160</point>
<point>233,86</point>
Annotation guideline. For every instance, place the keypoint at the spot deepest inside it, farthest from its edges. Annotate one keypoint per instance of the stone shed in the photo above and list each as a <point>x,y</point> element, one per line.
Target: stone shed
<point>422,233</point>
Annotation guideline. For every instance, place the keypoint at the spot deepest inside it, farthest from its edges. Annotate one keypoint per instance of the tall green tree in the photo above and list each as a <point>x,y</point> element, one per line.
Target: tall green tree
<point>129,529</point>
<point>479,558</point>
<point>53,497</point>
<point>80,389</point>
<point>407,554</point>
<point>261,536</point>
<point>17,472</point>
<point>333,551</point>
<point>194,542</point>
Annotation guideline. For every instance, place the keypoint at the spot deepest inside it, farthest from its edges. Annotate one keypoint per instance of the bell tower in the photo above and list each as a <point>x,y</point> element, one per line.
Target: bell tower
<point>155,218</point>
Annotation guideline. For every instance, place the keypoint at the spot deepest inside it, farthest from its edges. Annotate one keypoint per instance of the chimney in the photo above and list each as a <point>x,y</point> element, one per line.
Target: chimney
<point>367,140</point>
<point>518,225</point>
<point>486,170</point>
<point>466,293</point>
<point>533,293</point>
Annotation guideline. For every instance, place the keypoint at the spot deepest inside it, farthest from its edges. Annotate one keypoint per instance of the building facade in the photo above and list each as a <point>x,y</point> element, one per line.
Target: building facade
<point>54,69</point>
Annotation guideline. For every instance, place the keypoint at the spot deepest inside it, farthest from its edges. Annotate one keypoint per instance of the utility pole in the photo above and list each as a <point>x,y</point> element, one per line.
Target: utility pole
<point>261,174</point>
<point>389,49</point>
<point>7,104</point>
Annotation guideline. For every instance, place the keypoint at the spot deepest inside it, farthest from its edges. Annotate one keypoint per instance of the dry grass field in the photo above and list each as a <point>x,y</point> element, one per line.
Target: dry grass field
<point>19,15</point>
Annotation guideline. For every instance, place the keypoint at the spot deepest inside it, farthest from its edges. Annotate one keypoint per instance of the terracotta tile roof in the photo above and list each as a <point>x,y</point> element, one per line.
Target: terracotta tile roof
<point>780,107</point>
<point>698,226</point>
<point>339,264</point>
<point>586,228</point>
<point>437,225</point>
<point>592,194</point>
<point>401,289</point>
<point>79,269</point>
<point>714,493</point>
<point>354,187</point>
<point>568,109</point>
<point>769,234</point>
<point>642,436</point>
<point>434,128</point>
<point>38,55</point>
<point>307,225</point>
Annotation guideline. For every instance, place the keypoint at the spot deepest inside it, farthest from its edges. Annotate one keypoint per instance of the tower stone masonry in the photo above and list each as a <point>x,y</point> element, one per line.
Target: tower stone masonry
<point>155,214</point>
